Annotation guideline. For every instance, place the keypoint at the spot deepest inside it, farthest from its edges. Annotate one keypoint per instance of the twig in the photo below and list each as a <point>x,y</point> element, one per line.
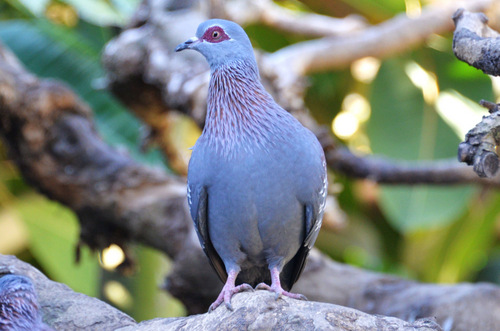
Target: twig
<point>387,171</point>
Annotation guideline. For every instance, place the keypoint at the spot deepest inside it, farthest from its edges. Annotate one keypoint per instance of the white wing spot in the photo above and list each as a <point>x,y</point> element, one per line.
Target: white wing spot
<point>189,195</point>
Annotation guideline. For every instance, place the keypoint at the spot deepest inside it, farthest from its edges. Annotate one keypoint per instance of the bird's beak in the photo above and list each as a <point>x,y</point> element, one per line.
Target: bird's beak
<point>188,44</point>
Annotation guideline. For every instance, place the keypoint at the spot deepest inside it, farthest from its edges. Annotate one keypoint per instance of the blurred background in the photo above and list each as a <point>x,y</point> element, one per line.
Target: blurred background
<point>414,106</point>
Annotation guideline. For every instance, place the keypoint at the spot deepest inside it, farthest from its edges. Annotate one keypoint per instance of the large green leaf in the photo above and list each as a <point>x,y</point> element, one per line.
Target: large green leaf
<point>376,10</point>
<point>37,7</point>
<point>149,301</point>
<point>403,127</point>
<point>415,208</point>
<point>455,252</point>
<point>53,51</point>
<point>102,12</point>
<point>53,233</point>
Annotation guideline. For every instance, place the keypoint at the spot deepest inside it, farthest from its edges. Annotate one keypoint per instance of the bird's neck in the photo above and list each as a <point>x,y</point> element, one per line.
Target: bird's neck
<point>240,111</point>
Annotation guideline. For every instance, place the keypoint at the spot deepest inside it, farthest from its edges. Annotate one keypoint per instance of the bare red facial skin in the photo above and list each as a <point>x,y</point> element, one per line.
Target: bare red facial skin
<point>215,34</point>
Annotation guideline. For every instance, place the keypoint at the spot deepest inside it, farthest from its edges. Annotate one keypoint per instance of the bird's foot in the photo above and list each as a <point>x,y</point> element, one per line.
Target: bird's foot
<point>225,295</point>
<point>279,291</point>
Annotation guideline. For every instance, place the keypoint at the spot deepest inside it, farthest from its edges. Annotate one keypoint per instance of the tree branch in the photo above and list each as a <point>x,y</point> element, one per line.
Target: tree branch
<point>458,307</point>
<point>387,171</point>
<point>51,137</point>
<point>479,147</point>
<point>261,311</point>
<point>62,308</point>
<point>475,43</point>
<point>391,37</point>
<point>478,45</point>
<point>299,23</point>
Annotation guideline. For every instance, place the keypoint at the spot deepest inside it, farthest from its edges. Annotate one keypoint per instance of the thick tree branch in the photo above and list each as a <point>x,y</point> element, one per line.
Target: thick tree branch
<point>50,135</point>
<point>458,307</point>
<point>62,308</point>
<point>475,43</point>
<point>261,311</point>
<point>478,45</point>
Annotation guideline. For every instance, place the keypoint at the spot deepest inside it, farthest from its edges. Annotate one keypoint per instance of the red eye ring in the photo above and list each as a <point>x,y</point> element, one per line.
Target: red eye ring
<point>215,34</point>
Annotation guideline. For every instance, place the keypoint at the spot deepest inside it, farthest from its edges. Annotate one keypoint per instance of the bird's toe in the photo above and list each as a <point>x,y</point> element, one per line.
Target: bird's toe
<point>228,304</point>
<point>294,295</point>
<point>279,292</point>
<point>263,286</point>
<point>244,287</point>
<point>214,305</point>
<point>226,294</point>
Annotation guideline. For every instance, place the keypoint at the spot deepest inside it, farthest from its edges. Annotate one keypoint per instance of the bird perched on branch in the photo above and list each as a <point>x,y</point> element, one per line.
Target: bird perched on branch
<point>19,309</point>
<point>257,178</point>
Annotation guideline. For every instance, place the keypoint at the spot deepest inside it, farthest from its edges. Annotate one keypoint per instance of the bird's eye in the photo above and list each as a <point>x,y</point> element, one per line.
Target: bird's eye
<point>215,34</point>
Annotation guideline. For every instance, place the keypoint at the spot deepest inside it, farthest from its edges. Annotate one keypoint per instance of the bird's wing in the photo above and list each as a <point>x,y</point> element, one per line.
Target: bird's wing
<point>198,206</point>
<point>315,210</point>
<point>313,214</point>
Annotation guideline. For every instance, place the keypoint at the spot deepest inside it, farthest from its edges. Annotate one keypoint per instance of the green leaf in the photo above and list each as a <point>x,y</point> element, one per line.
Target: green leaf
<point>37,7</point>
<point>149,301</point>
<point>376,10</point>
<point>53,233</point>
<point>18,9</point>
<point>403,127</point>
<point>126,7</point>
<point>99,12</point>
<point>416,208</point>
<point>456,252</point>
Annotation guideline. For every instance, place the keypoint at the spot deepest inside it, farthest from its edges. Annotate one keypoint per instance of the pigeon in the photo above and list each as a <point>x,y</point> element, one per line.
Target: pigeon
<point>257,179</point>
<point>19,308</point>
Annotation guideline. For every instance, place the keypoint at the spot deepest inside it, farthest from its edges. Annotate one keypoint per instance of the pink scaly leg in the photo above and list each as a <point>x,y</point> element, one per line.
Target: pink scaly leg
<point>276,287</point>
<point>228,291</point>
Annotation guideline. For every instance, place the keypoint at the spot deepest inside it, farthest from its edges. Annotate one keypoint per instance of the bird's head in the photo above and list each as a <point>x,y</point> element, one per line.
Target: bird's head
<point>221,42</point>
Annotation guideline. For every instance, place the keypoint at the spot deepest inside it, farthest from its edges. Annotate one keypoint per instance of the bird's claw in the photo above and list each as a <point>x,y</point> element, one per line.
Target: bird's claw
<point>280,292</point>
<point>226,295</point>
<point>300,296</point>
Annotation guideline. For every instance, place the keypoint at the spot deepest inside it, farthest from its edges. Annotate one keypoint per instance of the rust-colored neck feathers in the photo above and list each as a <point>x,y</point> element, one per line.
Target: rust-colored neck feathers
<point>241,114</point>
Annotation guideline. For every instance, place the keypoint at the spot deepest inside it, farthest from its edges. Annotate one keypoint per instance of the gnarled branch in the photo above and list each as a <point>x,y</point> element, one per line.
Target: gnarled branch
<point>475,43</point>
<point>50,135</point>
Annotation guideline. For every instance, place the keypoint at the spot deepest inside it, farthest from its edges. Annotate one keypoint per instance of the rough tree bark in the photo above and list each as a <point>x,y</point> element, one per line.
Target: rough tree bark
<point>51,137</point>
<point>475,43</point>
<point>64,309</point>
